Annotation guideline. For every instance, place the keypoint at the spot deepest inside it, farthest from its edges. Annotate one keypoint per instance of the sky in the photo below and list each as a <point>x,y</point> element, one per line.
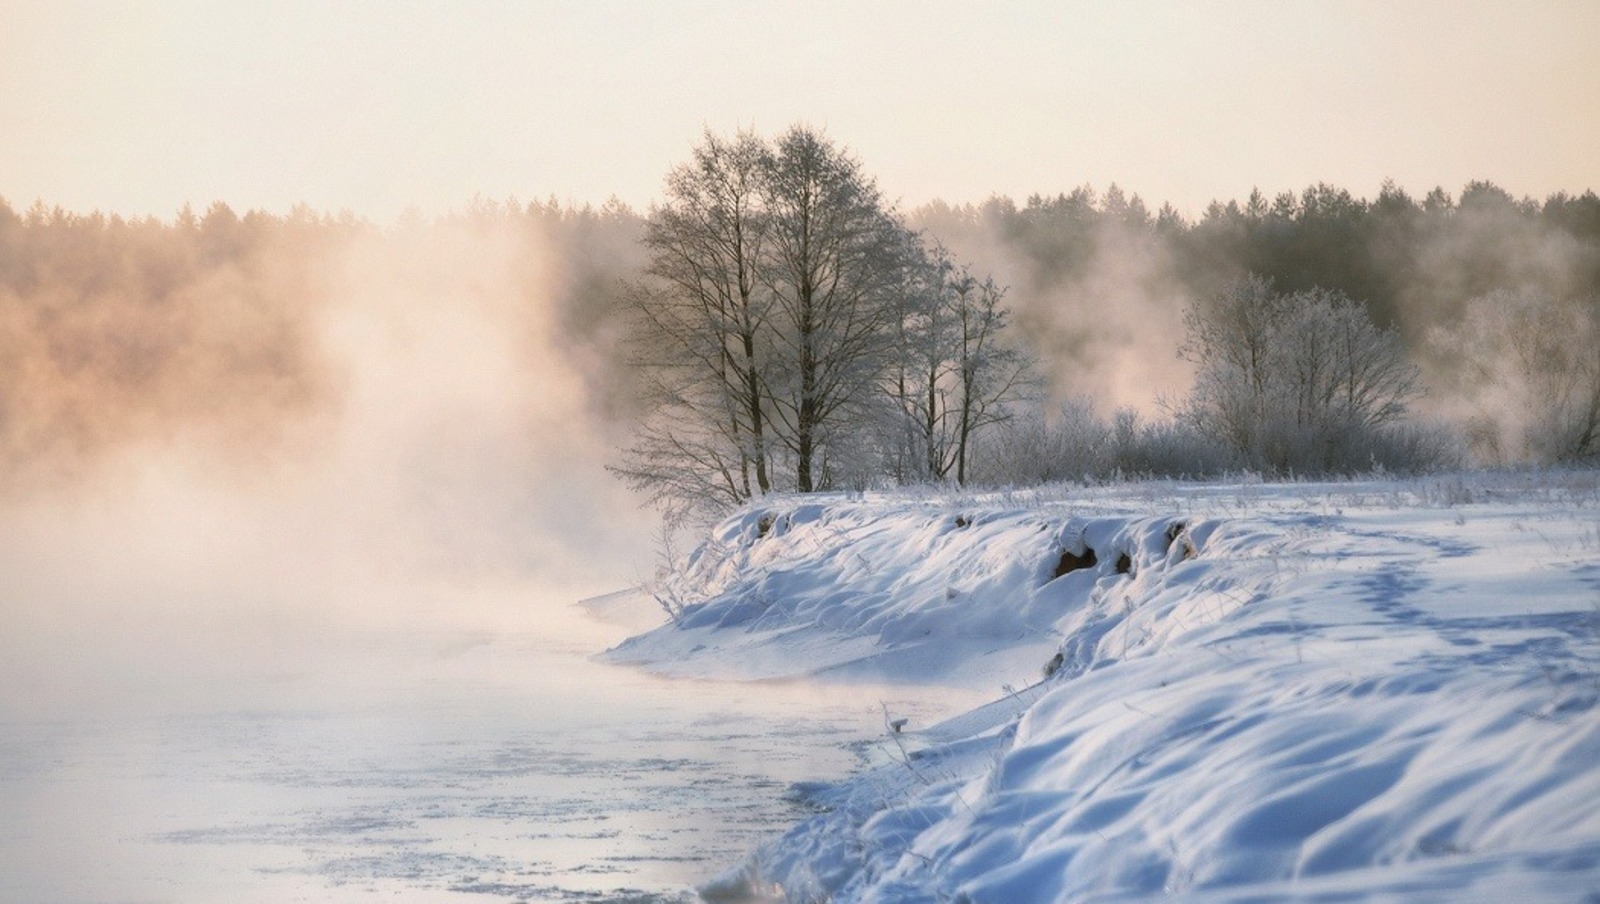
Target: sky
<point>376,107</point>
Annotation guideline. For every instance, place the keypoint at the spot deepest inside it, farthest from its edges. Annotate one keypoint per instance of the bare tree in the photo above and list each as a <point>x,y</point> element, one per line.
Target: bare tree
<point>687,454</point>
<point>923,372</point>
<point>1347,378</point>
<point>702,316</point>
<point>833,260</point>
<point>953,376</point>
<point>1228,337</point>
<point>992,374</point>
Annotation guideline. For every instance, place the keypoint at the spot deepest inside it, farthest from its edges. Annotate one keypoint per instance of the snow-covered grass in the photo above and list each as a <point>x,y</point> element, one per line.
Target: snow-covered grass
<point>1330,691</point>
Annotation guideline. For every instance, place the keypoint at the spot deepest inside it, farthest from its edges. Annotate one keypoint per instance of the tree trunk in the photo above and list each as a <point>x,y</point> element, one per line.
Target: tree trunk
<point>806,416</point>
<point>806,422</point>
<point>757,427</point>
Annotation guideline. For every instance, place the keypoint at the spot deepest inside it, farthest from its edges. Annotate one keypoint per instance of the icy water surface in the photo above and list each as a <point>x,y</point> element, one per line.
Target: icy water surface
<point>419,767</point>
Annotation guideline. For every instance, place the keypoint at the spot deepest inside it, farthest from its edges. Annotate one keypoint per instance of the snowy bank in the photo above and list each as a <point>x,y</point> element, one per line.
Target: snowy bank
<point>1308,692</point>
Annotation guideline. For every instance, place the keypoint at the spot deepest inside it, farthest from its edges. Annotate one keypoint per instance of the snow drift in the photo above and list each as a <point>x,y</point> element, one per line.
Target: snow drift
<point>1306,692</point>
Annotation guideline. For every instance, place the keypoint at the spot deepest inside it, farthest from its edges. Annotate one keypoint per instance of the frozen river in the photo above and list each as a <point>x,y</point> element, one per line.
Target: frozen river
<point>406,766</point>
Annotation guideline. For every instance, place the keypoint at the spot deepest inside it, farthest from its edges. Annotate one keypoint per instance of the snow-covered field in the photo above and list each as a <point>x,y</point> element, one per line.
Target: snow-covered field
<point>1380,690</point>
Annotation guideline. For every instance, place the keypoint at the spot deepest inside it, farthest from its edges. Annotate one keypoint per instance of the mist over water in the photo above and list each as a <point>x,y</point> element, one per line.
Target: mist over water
<point>429,766</point>
<point>342,661</point>
<point>448,471</point>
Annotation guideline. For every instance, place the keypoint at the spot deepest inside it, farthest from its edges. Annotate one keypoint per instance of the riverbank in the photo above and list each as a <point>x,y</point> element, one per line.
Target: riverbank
<point>1302,691</point>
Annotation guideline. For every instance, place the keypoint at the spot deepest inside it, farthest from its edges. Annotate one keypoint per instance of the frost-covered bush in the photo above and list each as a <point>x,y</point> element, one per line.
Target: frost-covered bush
<point>1416,449</point>
<point>1163,448</point>
<point>1077,443</point>
<point>1071,443</point>
<point>1298,383</point>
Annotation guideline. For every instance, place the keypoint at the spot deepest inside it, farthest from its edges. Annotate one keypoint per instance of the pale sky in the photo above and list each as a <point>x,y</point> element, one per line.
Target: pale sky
<point>140,107</point>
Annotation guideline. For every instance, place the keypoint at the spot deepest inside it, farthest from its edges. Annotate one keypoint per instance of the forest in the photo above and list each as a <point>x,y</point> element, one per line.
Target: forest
<point>1071,336</point>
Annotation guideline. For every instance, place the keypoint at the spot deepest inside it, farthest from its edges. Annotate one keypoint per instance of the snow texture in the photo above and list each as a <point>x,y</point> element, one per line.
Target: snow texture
<point>1314,692</point>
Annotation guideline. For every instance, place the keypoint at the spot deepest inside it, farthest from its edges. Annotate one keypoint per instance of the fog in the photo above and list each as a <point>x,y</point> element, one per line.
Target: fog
<point>288,606</point>
<point>231,475</point>
<point>1102,320</point>
<point>1503,313</point>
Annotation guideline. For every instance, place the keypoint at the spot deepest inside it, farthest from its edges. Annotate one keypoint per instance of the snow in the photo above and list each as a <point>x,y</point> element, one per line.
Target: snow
<point>1378,690</point>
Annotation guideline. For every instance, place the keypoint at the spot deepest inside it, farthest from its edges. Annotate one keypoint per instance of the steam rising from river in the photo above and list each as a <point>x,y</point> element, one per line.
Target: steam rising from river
<point>431,458</point>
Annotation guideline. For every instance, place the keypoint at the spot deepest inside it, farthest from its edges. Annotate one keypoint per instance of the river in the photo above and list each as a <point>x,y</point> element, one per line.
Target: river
<point>420,765</point>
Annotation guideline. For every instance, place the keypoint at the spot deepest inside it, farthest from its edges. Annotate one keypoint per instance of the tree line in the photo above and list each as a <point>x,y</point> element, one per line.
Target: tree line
<point>1405,258</point>
<point>211,328</point>
<point>1495,300</point>
<point>775,324</point>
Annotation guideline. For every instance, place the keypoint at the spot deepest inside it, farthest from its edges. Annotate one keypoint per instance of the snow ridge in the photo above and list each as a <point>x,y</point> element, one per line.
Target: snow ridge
<point>1329,692</point>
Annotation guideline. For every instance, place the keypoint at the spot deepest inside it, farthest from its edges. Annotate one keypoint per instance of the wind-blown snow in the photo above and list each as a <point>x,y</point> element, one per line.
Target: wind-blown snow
<point>1378,690</point>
